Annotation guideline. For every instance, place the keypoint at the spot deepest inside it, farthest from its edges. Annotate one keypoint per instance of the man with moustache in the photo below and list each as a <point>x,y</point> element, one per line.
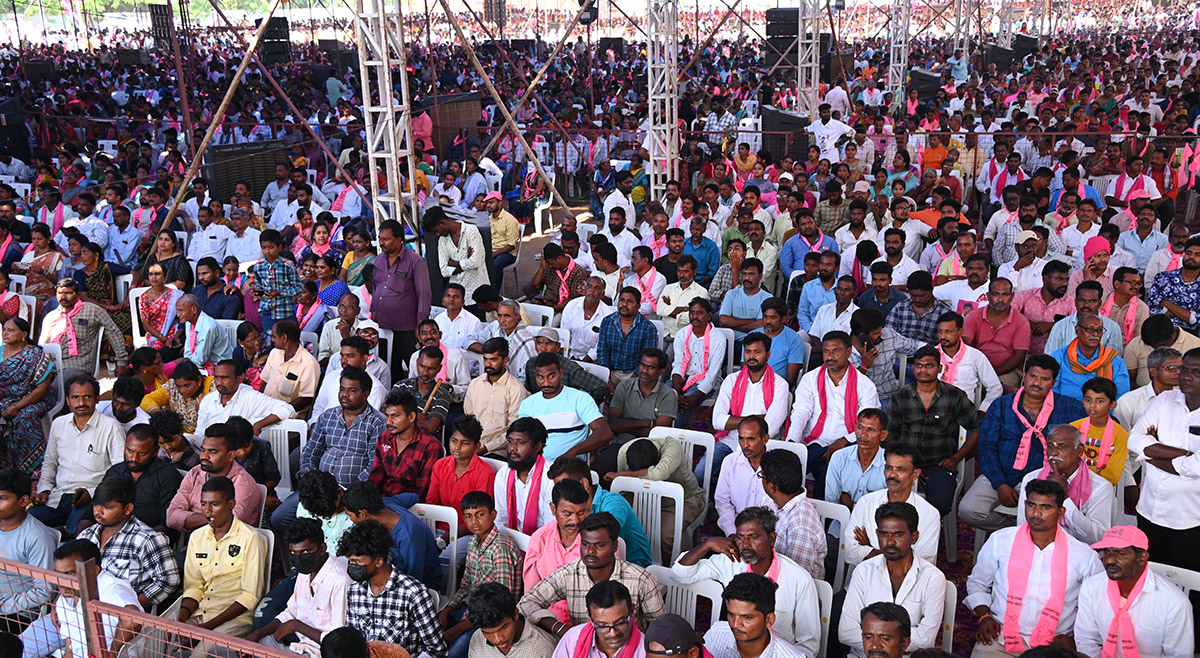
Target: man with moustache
<point>156,480</point>
<point>966,295</point>
<point>1162,366</point>
<point>1000,332</point>
<point>608,631</point>
<point>557,544</point>
<point>522,488</point>
<point>185,513</point>
<point>1177,293</point>
<point>571,417</point>
<point>963,366</point>
<point>582,317</point>
<point>900,474</point>
<point>749,631</point>
<point>1090,498</point>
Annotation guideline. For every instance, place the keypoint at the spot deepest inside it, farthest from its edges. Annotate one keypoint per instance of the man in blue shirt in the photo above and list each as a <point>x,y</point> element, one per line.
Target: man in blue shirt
<point>623,336</point>
<point>1011,443</point>
<point>787,347</point>
<point>573,421</point>
<point>123,239</point>
<point>1070,182</point>
<point>415,552</point>
<point>217,300</point>
<point>808,238</point>
<point>1077,357</point>
<point>637,544</point>
<point>705,251</point>
<point>741,310</point>
<point>819,291</point>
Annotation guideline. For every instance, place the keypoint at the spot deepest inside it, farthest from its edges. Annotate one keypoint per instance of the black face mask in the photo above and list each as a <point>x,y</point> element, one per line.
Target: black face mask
<point>308,563</point>
<point>357,572</point>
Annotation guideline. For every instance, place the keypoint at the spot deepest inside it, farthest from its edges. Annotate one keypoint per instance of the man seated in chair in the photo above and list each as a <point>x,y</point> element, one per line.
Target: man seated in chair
<point>752,548</point>
<point>187,510</point>
<point>224,571</point>
<point>454,373</point>
<point>637,545</point>
<point>751,629</point>
<point>234,397</point>
<point>900,474</point>
<point>609,607</point>
<point>291,372</point>
<point>639,404</point>
<point>75,326</point>
<point>1090,498</point>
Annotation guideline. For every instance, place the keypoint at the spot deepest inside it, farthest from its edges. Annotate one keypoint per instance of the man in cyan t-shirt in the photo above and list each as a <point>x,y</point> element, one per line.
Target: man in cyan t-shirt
<point>572,419</point>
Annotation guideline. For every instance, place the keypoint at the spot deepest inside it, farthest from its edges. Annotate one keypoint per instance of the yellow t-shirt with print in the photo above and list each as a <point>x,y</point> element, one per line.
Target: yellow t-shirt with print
<point>1116,459</point>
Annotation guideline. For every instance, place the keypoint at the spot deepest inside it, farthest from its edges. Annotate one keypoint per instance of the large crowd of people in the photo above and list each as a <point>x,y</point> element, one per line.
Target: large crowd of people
<point>973,305</point>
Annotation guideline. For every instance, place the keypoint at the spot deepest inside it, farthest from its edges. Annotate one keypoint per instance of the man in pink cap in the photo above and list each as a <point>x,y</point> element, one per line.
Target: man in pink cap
<point>1097,266</point>
<point>1131,610</point>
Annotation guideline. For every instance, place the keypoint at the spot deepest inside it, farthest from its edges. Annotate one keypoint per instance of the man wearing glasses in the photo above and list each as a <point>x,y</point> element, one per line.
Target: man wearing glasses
<point>1087,302</point>
<point>1085,358</point>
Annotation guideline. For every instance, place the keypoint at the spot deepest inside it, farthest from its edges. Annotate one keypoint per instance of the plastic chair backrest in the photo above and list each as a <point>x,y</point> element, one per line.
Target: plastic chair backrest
<point>309,340</point>
<point>384,349</point>
<point>825,599</point>
<point>595,368</point>
<point>262,508</point>
<point>730,355</point>
<point>681,599</point>
<point>279,436</point>
<point>948,608</point>
<point>692,439</point>
<point>519,538</point>
<point>800,449</point>
<point>496,464</point>
<point>121,285</point>
<point>441,515</point>
<point>139,335</point>
<point>16,283</point>
<point>99,342</point>
<point>539,316</point>
<point>647,503</point>
<point>270,537</point>
<point>836,512</point>
<point>660,330</point>
<point>1185,579</point>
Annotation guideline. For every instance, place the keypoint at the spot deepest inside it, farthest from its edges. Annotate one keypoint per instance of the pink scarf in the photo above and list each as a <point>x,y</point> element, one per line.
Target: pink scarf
<point>657,244</point>
<point>445,359</point>
<point>54,332</point>
<point>1037,428</point>
<point>687,358</point>
<point>1123,180</point>
<point>192,337</point>
<point>303,317</point>
<point>738,397</point>
<point>529,520</point>
<point>850,412</point>
<point>772,571</point>
<point>1104,452</point>
<point>646,285</point>
<point>57,222</point>
<point>1176,260</point>
<point>587,639</point>
<point>1063,222</point>
<point>1126,323</point>
<point>1020,567</point>
<point>565,291</point>
<point>1121,623</point>
<point>815,245</point>
<point>341,199</point>
<point>1079,488</point>
<point>950,364</point>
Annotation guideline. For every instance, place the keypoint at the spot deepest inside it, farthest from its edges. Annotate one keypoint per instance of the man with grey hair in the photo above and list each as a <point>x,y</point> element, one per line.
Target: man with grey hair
<point>243,244</point>
<point>1090,498</point>
<point>507,325</point>
<point>205,343</point>
<point>1163,365</point>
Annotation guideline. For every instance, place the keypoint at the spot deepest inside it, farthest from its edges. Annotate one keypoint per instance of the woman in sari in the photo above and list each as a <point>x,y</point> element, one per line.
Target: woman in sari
<point>26,395</point>
<point>295,237</point>
<point>41,265</point>
<point>181,394</point>
<point>329,287</point>
<point>902,171</point>
<point>10,302</point>
<point>170,259</point>
<point>146,365</point>
<point>250,354</point>
<point>813,161</point>
<point>156,308</point>
<point>99,287</point>
<point>603,182</point>
<point>311,314</point>
<point>641,182</point>
<point>361,253</point>
<point>319,242</point>
<point>858,168</point>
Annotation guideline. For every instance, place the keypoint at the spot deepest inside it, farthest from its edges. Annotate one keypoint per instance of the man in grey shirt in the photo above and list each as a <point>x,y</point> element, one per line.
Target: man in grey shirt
<point>26,540</point>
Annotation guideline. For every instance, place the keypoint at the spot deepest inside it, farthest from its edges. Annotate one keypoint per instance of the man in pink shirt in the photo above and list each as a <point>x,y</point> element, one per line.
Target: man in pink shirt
<point>216,459</point>
<point>557,544</point>
<point>1000,332</point>
<point>422,126</point>
<point>1046,305</point>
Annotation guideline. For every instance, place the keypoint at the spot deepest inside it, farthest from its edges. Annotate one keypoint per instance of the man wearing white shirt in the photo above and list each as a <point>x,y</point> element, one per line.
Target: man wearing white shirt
<point>739,486</point>
<point>828,132</point>
<point>1163,440</point>
<point>233,397</point>
<point>966,295</point>
<point>754,546</point>
<point>967,371</point>
<point>643,276</point>
<point>454,373</point>
<point>200,199</point>
<point>1132,181</point>
<point>835,316</point>
<point>1090,498</point>
<point>699,356</point>
<point>447,188</point>
<point>210,239</point>
<point>921,588</point>
<point>456,324</point>
<point>278,188</point>
<point>1170,258</point>
<point>1085,228</point>
<point>123,239</point>
<point>857,230</point>
<point>900,478</point>
<point>523,476</point>
<point>90,226</point>
<point>1026,271</point>
<point>621,197</point>
<point>1163,367</point>
<point>242,242</point>
<point>895,254</point>
<point>676,298</point>
<point>1029,552</point>
<point>620,235</point>
<point>755,390</point>
<point>354,351</point>
<point>825,413</point>
<point>1159,615</point>
<point>582,317</point>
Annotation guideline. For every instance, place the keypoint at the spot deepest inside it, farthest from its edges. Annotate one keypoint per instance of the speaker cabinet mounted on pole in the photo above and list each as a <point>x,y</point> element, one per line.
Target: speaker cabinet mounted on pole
<point>276,46</point>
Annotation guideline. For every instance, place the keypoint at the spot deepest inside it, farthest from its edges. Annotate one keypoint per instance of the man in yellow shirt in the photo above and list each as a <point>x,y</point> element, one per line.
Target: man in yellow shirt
<point>224,571</point>
<point>506,234</point>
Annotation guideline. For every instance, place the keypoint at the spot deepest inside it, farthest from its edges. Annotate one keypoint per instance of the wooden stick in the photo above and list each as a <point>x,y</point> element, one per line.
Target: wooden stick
<point>429,401</point>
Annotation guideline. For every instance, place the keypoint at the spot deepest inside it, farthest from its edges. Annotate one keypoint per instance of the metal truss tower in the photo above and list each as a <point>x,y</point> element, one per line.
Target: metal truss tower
<point>1004,37</point>
<point>380,28</point>
<point>662,36</point>
<point>962,29</point>
<point>808,58</point>
<point>898,50</point>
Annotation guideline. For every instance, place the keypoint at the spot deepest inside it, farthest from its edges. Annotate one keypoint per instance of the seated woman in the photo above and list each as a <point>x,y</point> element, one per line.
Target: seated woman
<point>307,266</point>
<point>295,237</point>
<point>146,364</point>
<point>169,256</point>
<point>329,287</point>
<point>250,354</point>
<point>74,260</point>
<point>41,265</point>
<point>180,394</point>
<point>361,252</point>
<point>231,268</point>
<point>156,308</point>
<point>98,283</point>
<point>311,313</point>
<point>27,394</point>
<point>320,241</point>
<point>10,302</point>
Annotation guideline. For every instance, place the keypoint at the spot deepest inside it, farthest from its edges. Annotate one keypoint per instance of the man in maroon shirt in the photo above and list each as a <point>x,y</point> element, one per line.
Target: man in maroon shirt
<point>402,293</point>
<point>404,455</point>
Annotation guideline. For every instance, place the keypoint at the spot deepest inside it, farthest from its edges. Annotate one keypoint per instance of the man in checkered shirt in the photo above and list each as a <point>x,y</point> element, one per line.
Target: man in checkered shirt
<point>719,122</point>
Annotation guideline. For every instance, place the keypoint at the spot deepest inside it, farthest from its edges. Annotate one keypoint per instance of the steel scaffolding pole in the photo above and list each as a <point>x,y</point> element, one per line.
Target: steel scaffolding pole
<point>663,59</point>
<point>898,50</point>
<point>808,58</point>
<point>962,30</point>
<point>1004,37</point>
<point>380,28</point>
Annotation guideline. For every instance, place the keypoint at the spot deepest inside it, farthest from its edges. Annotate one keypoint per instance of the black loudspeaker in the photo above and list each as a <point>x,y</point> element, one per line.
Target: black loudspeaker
<point>321,73</point>
<point>277,28</point>
<point>495,12</point>
<point>523,45</point>
<point>134,57</point>
<point>345,59</point>
<point>161,27</point>
<point>1001,57</point>
<point>329,45</point>
<point>925,82</point>
<point>782,29</point>
<point>37,70</point>
<point>14,136</point>
<point>276,41</point>
<point>615,44</point>
<point>783,15</point>
<point>775,123</point>
<point>1024,45</point>
<point>831,68</point>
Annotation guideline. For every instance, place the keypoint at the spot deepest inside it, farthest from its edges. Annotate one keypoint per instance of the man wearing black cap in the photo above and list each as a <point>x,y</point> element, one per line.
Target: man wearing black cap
<point>671,635</point>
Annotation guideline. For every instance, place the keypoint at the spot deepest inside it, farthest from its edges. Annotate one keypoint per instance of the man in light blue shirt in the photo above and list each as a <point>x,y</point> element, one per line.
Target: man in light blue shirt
<point>855,472</point>
<point>204,341</point>
<point>808,238</point>
<point>1075,360</point>
<point>123,239</point>
<point>1143,241</point>
<point>741,310</point>
<point>787,347</point>
<point>573,422</point>
<point>1087,302</point>
<point>23,539</point>
<point>819,291</point>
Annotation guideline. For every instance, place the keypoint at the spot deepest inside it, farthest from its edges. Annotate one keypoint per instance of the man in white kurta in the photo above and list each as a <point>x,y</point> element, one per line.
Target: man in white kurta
<point>233,397</point>
<point>900,476</point>
<point>1087,515</point>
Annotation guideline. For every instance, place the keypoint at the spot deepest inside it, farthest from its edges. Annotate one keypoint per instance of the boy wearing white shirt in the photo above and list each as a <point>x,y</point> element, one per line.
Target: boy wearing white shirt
<point>1019,567</point>
<point>900,474</point>
<point>970,370</point>
<point>457,325</point>
<point>1146,605</point>
<point>1090,498</point>
<point>694,376</point>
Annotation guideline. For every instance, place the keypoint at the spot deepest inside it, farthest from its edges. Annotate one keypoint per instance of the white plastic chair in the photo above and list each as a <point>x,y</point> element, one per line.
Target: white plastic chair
<point>109,146</point>
<point>279,436</point>
<point>16,283</point>
<point>800,450</point>
<point>595,368</point>
<point>262,514</point>
<point>564,339</point>
<point>434,515</point>
<point>311,176</point>
<point>730,354</point>
<point>121,285</point>
<point>230,327</point>
<point>270,537</point>
<point>1119,517</point>
<point>99,342</point>
<point>1184,579</point>
<point>309,340</point>
<point>519,538</point>
<point>22,189</point>
<point>950,521</point>
<point>496,464</point>
<point>28,306</point>
<point>681,599</point>
<point>183,238</point>
<point>836,512</point>
<point>950,604</point>
<point>647,503</point>
<point>585,231</point>
<point>692,439</point>
<point>384,349</point>
<point>825,599</point>
<point>539,316</point>
<point>139,334</point>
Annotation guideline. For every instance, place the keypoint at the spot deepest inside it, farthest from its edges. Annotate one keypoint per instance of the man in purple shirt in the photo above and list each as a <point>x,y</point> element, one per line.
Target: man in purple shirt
<point>402,293</point>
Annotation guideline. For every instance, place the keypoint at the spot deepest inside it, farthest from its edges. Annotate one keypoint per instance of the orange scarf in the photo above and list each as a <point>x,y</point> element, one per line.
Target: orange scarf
<point>1101,366</point>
